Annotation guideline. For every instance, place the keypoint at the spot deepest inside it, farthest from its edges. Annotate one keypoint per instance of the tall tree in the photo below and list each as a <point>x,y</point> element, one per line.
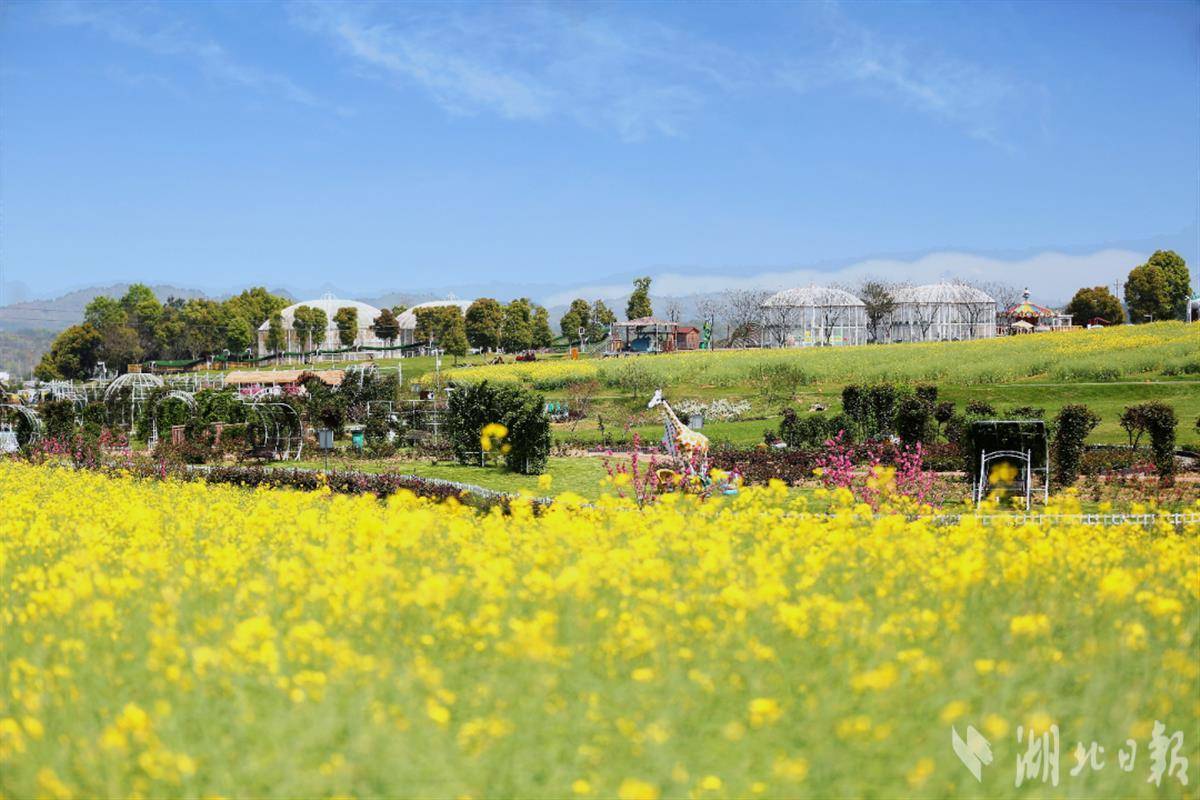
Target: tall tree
<point>386,327</point>
<point>104,312</point>
<point>639,300</point>
<point>276,338</point>
<point>602,318</point>
<point>310,324</point>
<point>73,355</point>
<point>540,334</point>
<point>204,324</point>
<point>1179,280</point>
<point>318,325</point>
<point>485,323</point>
<point>142,312</point>
<point>517,330</point>
<point>454,338</point>
<point>1147,294</point>
<point>1097,301</point>
<point>579,315</point>
<point>441,325</point>
<point>879,303</point>
<point>256,305</point>
<point>346,319</point>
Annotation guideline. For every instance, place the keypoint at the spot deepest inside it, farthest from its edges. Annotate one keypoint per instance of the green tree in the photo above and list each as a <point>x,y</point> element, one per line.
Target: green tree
<point>484,323</point>
<point>437,323</point>
<point>276,338</point>
<point>601,318</point>
<point>517,331</point>
<point>309,324</point>
<point>204,326</point>
<point>346,319</point>
<point>73,355</point>
<point>385,326</point>
<point>540,333</point>
<point>1179,280</point>
<point>1097,301</point>
<point>318,324</point>
<point>1147,294</point>
<point>639,301</point>
<point>256,305</point>
<point>579,315</point>
<point>142,312</point>
<point>120,344</point>
<point>454,338</point>
<point>120,347</point>
<point>170,331</point>
<point>104,312</point>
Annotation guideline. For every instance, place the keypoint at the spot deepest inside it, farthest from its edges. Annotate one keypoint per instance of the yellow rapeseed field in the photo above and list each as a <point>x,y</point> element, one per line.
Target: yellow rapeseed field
<point>179,639</point>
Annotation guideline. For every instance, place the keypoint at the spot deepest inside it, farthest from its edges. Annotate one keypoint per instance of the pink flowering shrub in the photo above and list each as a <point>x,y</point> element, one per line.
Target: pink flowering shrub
<point>870,480</point>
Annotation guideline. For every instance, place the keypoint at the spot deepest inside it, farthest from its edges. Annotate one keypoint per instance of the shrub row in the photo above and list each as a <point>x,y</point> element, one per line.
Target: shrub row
<point>793,465</point>
<point>381,484</point>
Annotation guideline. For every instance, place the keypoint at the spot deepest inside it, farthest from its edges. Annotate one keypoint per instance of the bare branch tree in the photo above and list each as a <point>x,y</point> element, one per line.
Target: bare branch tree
<point>709,308</point>
<point>743,310</point>
<point>879,301</point>
<point>673,309</point>
<point>779,320</point>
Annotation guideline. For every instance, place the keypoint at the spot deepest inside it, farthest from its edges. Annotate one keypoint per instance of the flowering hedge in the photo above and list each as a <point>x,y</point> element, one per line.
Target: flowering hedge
<point>792,465</point>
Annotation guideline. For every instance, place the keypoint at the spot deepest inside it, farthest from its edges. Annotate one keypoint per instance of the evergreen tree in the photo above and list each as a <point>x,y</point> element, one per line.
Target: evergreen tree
<point>346,319</point>
<point>639,301</point>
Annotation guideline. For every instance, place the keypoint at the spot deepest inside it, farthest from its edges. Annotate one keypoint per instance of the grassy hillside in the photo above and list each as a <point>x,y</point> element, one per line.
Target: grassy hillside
<point>1160,349</point>
<point>1106,369</point>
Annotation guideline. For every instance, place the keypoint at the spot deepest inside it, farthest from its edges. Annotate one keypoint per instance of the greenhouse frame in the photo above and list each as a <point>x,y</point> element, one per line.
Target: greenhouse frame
<point>814,316</point>
<point>939,312</point>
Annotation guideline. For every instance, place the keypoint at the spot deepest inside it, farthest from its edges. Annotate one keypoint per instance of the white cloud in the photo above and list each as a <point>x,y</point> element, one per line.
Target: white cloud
<point>977,99</point>
<point>1051,276</point>
<point>532,62</point>
<point>147,28</point>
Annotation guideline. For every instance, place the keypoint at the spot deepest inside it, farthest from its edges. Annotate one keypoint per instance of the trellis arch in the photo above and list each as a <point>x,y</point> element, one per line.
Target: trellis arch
<point>281,428</point>
<point>14,436</point>
<point>187,398</point>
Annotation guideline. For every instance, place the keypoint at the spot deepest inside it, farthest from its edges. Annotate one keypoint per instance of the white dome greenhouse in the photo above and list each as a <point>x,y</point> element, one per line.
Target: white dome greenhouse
<point>814,316</point>
<point>938,312</point>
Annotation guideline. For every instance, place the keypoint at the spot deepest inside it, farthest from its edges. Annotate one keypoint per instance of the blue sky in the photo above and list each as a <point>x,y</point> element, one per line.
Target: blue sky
<point>377,147</point>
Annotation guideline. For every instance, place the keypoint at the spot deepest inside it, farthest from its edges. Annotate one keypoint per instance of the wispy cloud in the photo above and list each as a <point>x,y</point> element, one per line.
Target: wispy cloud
<point>640,77</point>
<point>152,28</point>
<point>526,62</point>
<point>977,99</point>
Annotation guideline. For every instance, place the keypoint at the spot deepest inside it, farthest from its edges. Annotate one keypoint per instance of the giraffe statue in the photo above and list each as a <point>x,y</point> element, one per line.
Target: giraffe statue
<point>682,441</point>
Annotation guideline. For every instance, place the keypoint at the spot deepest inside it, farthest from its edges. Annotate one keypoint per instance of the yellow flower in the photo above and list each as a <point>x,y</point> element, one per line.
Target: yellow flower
<point>919,774</point>
<point>1029,624</point>
<point>634,789</point>
<point>1117,584</point>
<point>764,711</point>
<point>952,711</point>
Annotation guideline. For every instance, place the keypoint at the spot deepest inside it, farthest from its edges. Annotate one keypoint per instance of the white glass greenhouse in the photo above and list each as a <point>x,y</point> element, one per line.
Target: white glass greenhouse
<point>939,312</point>
<point>813,316</point>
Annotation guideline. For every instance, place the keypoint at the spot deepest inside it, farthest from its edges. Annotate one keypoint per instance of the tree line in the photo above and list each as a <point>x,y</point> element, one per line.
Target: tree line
<point>137,327</point>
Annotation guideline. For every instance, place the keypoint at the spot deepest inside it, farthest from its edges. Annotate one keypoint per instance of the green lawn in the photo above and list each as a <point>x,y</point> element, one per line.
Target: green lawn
<point>579,475</point>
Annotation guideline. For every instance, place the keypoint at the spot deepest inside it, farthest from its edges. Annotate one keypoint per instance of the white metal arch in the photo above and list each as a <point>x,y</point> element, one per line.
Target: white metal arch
<point>11,437</point>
